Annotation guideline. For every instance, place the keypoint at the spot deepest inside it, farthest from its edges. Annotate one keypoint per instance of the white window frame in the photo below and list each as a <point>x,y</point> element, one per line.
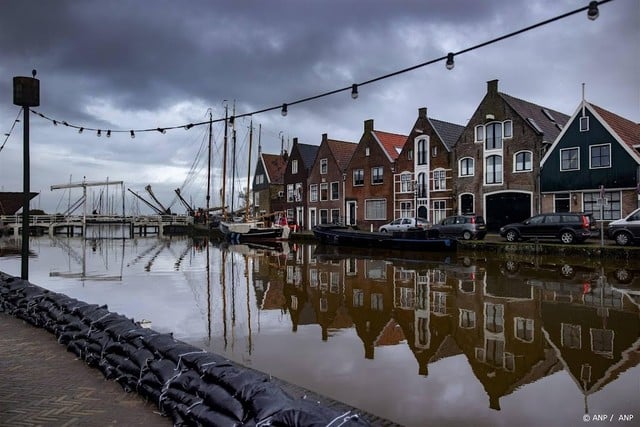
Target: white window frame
<point>584,124</point>
<point>529,326</point>
<point>507,124</point>
<point>324,166</point>
<point>478,134</point>
<point>382,207</point>
<point>355,172</point>
<point>374,173</point>
<point>460,168</point>
<point>591,147</point>
<point>324,186</point>
<point>313,192</point>
<point>516,163</point>
<point>439,180</point>
<point>562,150</point>
<point>500,180</point>
<point>294,167</point>
<point>335,184</point>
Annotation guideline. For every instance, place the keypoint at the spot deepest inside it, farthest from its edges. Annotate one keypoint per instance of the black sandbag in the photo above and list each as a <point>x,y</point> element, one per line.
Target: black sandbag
<point>203,415</point>
<point>233,378</point>
<point>264,399</point>
<point>157,341</point>
<point>213,395</point>
<point>123,364</point>
<point>128,382</point>
<point>306,413</point>
<point>83,311</point>
<point>111,320</point>
<point>149,390</point>
<point>164,370</point>
<point>107,369</point>
<point>122,348</point>
<point>141,357</point>
<point>198,361</point>
<point>176,351</point>
<point>93,315</point>
<point>77,347</point>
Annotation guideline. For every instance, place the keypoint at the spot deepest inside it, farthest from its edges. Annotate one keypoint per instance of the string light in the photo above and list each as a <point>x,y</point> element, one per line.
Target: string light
<point>55,123</point>
<point>133,134</point>
<point>592,13</point>
<point>450,63</point>
<point>99,133</point>
<point>109,134</point>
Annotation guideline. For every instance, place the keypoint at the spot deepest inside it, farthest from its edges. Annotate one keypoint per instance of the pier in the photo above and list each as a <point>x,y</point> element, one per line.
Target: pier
<point>77,225</point>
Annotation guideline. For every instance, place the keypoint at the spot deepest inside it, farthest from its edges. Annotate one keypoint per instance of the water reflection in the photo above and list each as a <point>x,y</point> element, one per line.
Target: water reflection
<point>410,329</point>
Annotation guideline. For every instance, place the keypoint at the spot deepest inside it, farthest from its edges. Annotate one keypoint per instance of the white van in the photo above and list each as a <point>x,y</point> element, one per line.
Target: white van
<point>626,230</point>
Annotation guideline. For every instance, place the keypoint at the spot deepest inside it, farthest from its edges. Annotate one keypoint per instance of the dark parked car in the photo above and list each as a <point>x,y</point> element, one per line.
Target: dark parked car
<point>569,227</point>
<point>467,227</point>
<point>626,230</point>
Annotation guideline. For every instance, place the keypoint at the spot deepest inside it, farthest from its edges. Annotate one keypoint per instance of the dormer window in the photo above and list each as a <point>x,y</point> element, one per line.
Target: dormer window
<point>366,151</point>
<point>324,166</point>
<point>294,167</point>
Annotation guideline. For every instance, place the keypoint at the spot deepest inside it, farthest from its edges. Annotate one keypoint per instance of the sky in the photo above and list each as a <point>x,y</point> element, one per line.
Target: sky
<point>122,65</point>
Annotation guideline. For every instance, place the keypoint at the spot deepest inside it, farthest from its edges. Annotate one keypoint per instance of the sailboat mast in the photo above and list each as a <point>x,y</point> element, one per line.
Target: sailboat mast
<point>233,160</point>
<point>209,162</point>
<point>246,215</point>
<point>224,164</point>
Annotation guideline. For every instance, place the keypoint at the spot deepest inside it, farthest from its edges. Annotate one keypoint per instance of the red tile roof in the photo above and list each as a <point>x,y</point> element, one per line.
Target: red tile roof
<point>391,142</point>
<point>627,130</point>
<point>275,166</point>
<point>342,151</point>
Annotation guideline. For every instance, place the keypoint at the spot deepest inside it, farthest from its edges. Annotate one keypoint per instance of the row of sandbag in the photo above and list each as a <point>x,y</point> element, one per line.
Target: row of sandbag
<point>192,386</point>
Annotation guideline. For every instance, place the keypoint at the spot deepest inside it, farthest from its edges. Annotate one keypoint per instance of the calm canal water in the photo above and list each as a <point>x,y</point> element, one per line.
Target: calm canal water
<point>418,339</point>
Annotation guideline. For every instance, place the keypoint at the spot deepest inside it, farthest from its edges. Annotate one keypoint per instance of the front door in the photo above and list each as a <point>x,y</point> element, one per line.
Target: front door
<point>351,213</point>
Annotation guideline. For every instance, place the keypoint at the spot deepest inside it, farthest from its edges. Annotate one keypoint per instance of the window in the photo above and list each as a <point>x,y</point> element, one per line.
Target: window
<point>494,136</point>
<point>570,159</point>
<point>493,172</point>
<point>611,209</point>
<point>522,161</point>
<point>571,336</point>
<point>297,194</point>
<point>602,342</point>
<point>479,136</point>
<point>467,319</point>
<point>561,202</point>
<point>313,193</point>
<point>324,216</point>
<point>439,179</point>
<point>409,154</point>
<point>324,166</point>
<point>466,167</point>
<point>600,156</point>
<point>358,298</point>
<point>439,210</point>
<point>507,127</point>
<point>377,175</point>
<point>405,183</point>
<point>358,177</point>
<point>375,209</point>
<point>406,209</point>
<point>289,192</point>
<point>494,317</point>
<point>367,151</point>
<point>294,167</point>
<point>423,188</point>
<point>584,124</point>
<point>259,179</point>
<point>524,329</point>
<point>324,191</point>
<point>335,190</point>
<point>377,302</point>
<point>422,152</point>
<point>335,216</point>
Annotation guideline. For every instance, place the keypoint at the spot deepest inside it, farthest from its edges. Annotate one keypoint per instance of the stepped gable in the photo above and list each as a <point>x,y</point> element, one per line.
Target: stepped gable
<point>391,142</point>
<point>627,130</point>
<point>342,152</point>
<point>448,132</point>
<point>275,165</point>
<point>549,126</point>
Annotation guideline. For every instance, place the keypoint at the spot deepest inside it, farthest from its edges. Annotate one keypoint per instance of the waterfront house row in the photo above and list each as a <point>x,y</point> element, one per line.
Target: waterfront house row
<point>513,159</point>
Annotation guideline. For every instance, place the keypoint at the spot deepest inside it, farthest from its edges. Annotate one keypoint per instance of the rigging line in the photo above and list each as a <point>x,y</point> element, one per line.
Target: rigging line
<point>346,88</point>
<point>7,135</point>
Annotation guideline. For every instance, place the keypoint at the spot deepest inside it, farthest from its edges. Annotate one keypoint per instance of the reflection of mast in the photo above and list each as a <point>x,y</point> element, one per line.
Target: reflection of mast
<point>208,293</point>
<point>246,274</point>
<point>233,300</point>
<point>224,297</point>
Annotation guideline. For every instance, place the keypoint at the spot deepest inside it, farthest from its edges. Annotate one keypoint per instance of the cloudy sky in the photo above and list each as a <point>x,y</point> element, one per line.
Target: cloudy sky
<point>121,65</point>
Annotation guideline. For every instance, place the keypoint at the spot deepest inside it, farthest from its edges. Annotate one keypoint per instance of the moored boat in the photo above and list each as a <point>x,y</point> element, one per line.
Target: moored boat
<point>250,231</point>
<point>417,240</point>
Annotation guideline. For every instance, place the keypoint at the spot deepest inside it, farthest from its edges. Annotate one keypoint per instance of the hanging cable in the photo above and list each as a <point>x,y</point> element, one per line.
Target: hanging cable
<point>13,125</point>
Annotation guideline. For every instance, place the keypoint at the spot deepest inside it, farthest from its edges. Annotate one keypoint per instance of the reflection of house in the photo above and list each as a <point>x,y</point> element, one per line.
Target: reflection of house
<point>596,147</point>
<point>597,337</point>
<point>326,290</point>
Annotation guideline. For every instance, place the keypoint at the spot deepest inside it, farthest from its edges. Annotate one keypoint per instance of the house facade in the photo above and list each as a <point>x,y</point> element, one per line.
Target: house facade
<point>497,157</point>
<point>369,178</point>
<point>326,182</point>
<point>268,184</point>
<point>299,164</point>
<point>424,182</point>
<point>593,166</point>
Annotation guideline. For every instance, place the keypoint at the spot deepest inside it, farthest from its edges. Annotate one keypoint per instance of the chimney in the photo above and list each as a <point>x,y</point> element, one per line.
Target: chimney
<point>324,137</point>
<point>368,125</point>
<point>492,87</point>
<point>295,140</point>
<point>422,112</point>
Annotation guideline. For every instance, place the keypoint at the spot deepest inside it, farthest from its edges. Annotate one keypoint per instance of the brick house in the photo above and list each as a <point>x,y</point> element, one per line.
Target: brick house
<point>424,172</point>
<point>326,181</point>
<point>596,148</point>
<point>369,178</point>
<point>268,184</point>
<point>498,157</point>
<point>299,164</point>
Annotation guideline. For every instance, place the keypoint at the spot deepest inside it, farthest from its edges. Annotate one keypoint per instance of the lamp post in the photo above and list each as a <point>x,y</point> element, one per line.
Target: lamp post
<point>26,93</point>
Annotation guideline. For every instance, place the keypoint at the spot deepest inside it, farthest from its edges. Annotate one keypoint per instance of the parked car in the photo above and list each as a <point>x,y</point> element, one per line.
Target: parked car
<point>405,224</point>
<point>626,230</point>
<point>569,227</point>
<point>467,227</point>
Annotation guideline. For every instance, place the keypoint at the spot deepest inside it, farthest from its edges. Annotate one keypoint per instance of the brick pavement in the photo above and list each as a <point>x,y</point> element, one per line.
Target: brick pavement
<point>41,384</point>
